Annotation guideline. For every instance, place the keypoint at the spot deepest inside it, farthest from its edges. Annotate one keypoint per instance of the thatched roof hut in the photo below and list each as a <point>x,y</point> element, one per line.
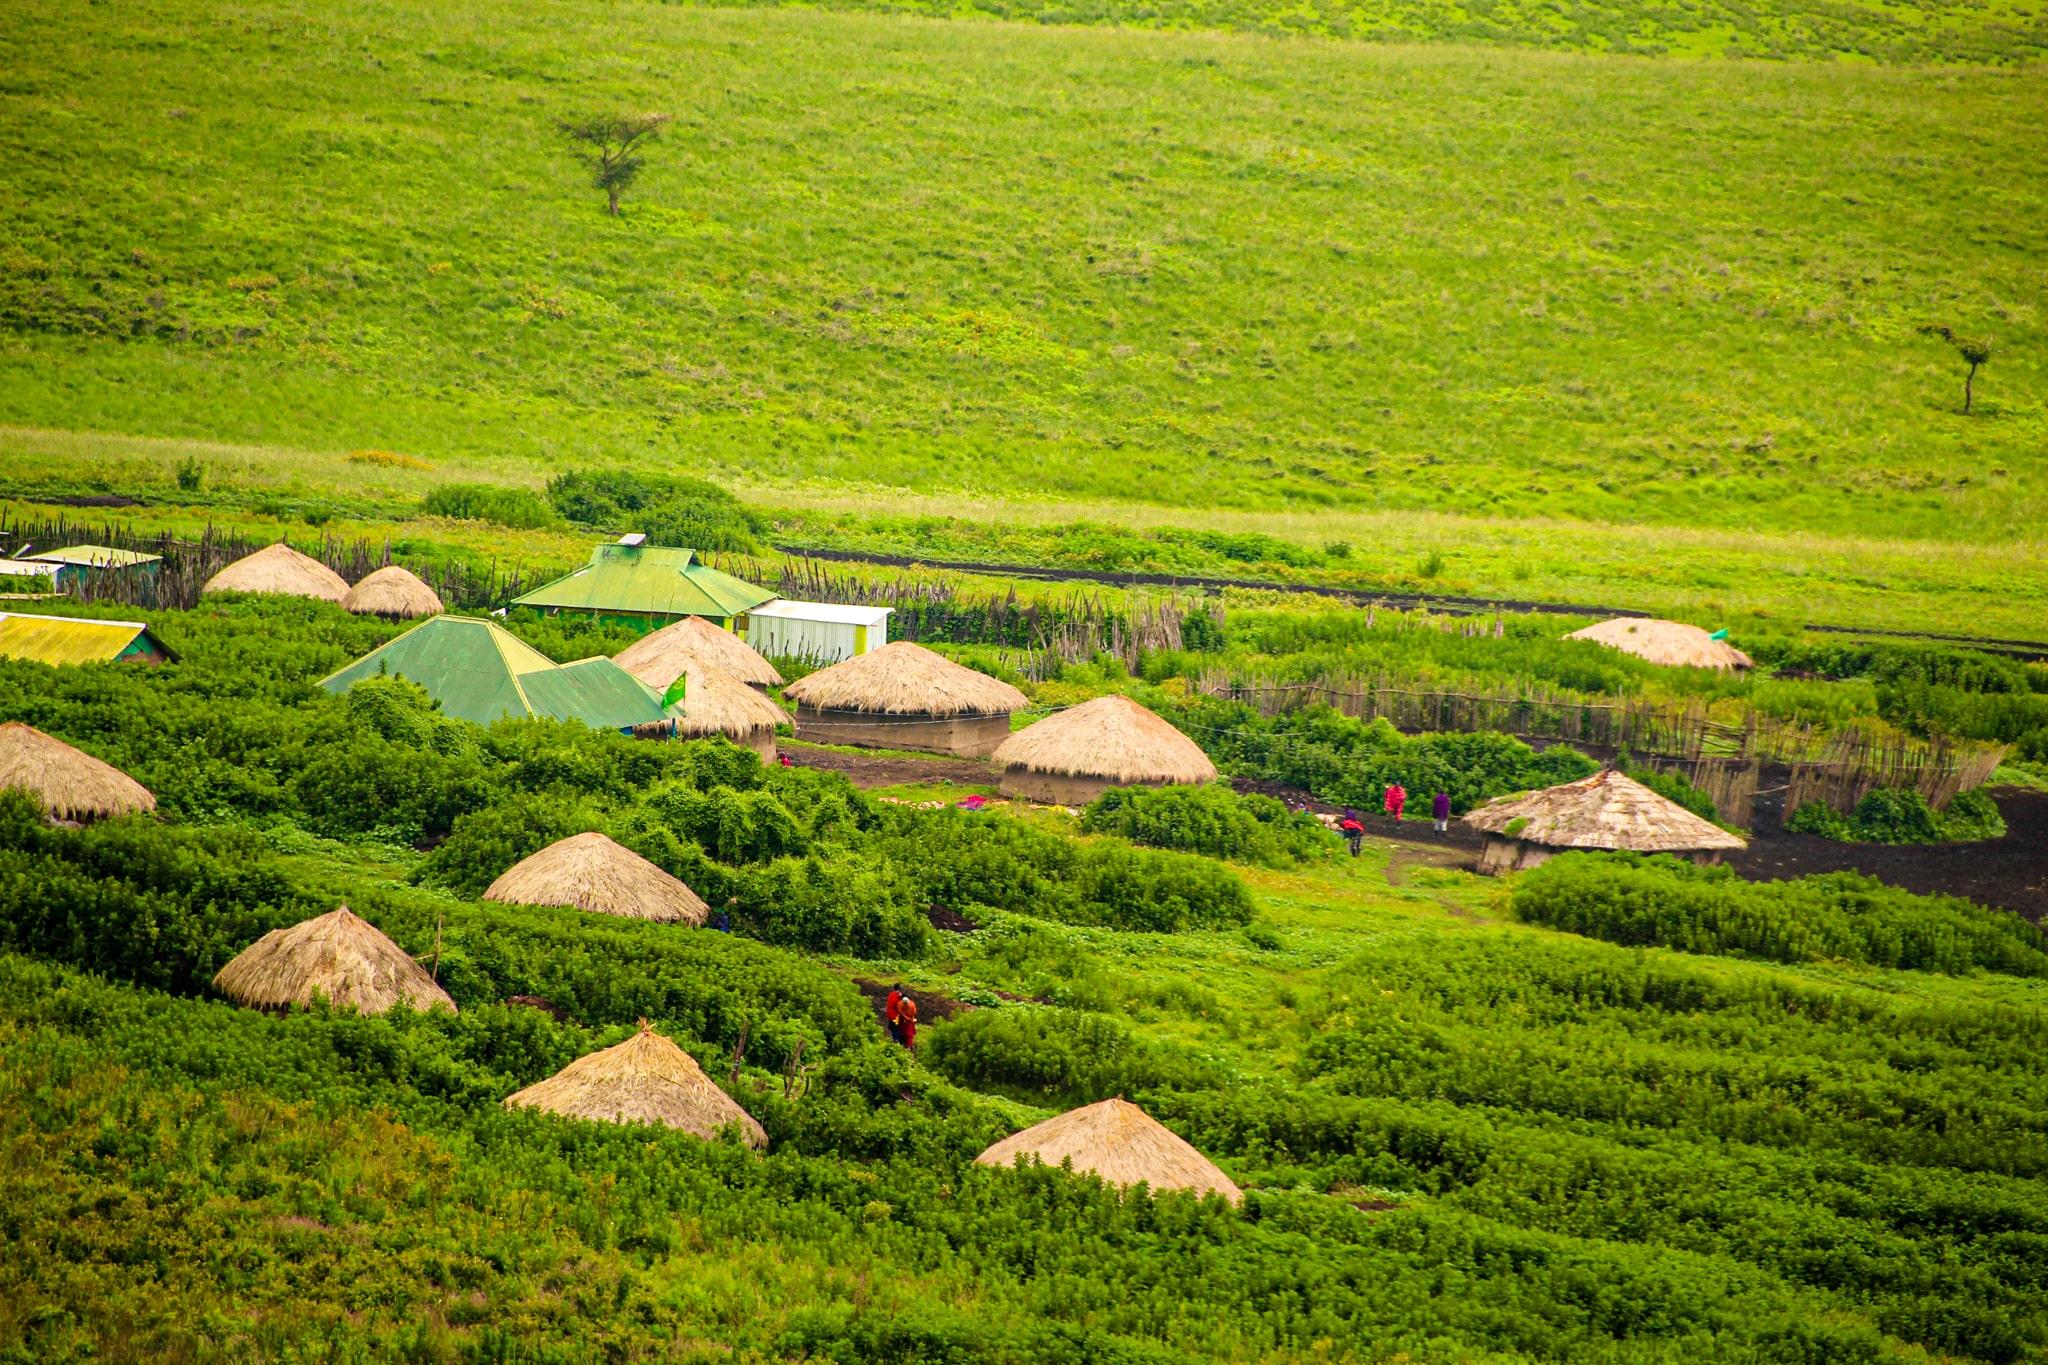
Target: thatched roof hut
<point>1073,756</point>
<point>338,955</point>
<point>716,703</point>
<point>395,592</point>
<point>281,570</point>
<point>1608,810</point>
<point>690,644</point>
<point>1665,642</point>
<point>1119,1142</point>
<point>904,696</point>
<point>71,784</point>
<point>646,1079</point>
<point>590,872</point>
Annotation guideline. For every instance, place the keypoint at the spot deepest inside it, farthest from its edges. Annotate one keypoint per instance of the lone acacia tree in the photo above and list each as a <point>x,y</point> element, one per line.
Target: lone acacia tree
<point>611,143</point>
<point>1975,354</point>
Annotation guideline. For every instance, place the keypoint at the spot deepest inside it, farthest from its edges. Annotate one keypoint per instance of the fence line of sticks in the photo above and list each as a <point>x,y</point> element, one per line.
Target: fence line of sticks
<point>184,566</point>
<point>1044,631</point>
<point>1838,767</point>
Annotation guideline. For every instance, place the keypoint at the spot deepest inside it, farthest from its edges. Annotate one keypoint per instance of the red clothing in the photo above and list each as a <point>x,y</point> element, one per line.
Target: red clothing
<point>908,1011</point>
<point>1397,797</point>
<point>892,1009</point>
<point>1349,825</point>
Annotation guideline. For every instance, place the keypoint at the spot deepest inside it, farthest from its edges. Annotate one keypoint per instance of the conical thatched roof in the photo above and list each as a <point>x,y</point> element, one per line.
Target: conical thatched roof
<point>1119,1142</point>
<point>590,872</point>
<point>392,591</point>
<point>906,679</point>
<point>716,703</point>
<point>1112,737</point>
<point>71,784</point>
<point>688,645</point>
<point>282,570</point>
<point>1665,642</point>
<point>338,954</point>
<point>646,1079</point>
<point>1608,810</point>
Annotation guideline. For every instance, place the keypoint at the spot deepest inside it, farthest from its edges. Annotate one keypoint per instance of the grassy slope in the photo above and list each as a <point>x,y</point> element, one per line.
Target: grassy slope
<point>1167,268</point>
<point>1782,28</point>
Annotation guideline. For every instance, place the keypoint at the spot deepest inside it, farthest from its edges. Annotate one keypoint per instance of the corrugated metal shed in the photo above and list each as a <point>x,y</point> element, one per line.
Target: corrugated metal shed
<point>648,584</point>
<point>479,671</point>
<point>79,640</point>
<point>96,556</point>
<point>828,632</point>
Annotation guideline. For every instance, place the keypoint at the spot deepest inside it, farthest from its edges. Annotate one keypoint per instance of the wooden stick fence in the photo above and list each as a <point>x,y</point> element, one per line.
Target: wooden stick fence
<point>1839,767</point>
<point>186,565</point>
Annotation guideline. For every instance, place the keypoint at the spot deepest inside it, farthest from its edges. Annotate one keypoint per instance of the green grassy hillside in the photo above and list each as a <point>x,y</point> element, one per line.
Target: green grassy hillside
<point>1174,268</point>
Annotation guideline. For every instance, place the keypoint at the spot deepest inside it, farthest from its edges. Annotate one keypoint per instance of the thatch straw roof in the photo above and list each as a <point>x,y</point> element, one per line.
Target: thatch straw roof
<point>590,872</point>
<point>282,570</point>
<point>690,644</point>
<point>1119,1142</point>
<point>395,592</point>
<point>646,1079</point>
<point>716,703</point>
<point>1608,810</point>
<point>905,679</point>
<point>71,784</point>
<point>1665,642</point>
<point>1112,737</point>
<point>339,955</point>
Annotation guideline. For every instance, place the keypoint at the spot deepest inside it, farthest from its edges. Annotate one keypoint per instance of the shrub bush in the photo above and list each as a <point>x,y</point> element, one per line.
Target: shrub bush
<point>1638,901</point>
<point>687,513</point>
<point>519,508</point>
<point>1064,1057</point>
<point>1212,820</point>
<point>963,858</point>
<point>1352,762</point>
<point>484,844</point>
<point>1892,815</point>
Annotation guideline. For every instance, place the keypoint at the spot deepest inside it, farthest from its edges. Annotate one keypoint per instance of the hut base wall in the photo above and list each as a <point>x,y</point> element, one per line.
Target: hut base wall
<point>959,736</point>
<point>1058,789</point>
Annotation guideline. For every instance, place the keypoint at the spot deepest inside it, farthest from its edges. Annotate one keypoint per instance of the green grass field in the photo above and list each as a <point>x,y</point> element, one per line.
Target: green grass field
<point>1190,270</point>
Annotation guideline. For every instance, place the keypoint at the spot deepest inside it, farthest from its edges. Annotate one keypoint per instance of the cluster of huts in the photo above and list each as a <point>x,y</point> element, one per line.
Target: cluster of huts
<point>694,674</point>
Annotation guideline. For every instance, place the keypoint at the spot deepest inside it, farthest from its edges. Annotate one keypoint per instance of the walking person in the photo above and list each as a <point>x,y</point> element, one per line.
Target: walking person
<point>1353,830</point>
<point>1397,797</point>
<point>1440,809</point>
<point>892,1010</point>
<point>908,1012</point>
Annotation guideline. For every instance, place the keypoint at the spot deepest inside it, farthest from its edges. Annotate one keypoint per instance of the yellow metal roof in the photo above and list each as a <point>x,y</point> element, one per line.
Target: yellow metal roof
<point>68,640</point>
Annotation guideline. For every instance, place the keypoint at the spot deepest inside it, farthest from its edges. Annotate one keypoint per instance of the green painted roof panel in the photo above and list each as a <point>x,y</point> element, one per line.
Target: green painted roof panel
<point>595,691</point>
<point>462,662</point>
<point>649,580</point>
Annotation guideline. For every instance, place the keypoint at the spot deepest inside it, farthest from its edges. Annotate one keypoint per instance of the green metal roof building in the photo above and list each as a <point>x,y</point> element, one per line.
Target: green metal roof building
<point>478,671</point>
<point>646,586</point>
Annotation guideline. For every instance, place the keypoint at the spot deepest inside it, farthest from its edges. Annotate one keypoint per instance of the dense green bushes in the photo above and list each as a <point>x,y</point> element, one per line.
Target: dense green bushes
<point>670,510</point>
<point>520,508</point>
<point>1352,762</point>
<point>1211,820</point>
<point>1639,901</point>
<point>964,859</point>
<point>1062,1057</point>
<point>1902,816</point>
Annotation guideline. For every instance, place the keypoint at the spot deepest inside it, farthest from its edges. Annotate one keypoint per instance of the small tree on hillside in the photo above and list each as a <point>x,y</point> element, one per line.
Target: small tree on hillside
<point>611,143</point>
<point>1975,354</point>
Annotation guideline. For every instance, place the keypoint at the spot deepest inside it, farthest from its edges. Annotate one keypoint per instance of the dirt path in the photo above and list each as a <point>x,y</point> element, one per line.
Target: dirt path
<point>888,770</point>
<point>2010,873</point>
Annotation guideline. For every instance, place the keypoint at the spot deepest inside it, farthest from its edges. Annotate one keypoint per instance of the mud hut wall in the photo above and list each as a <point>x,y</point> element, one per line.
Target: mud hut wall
<point>959,736</point>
